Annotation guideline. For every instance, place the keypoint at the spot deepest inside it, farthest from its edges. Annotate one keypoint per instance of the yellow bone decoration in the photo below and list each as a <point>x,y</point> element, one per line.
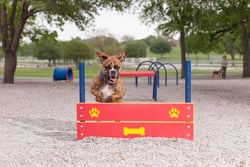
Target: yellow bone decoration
<point>134,131</point>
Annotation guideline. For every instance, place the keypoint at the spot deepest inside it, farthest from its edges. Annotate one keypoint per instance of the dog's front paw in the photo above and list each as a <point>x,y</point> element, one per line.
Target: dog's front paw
<point>98,99</point>
<point>115,99</point>
<point>106,99</point>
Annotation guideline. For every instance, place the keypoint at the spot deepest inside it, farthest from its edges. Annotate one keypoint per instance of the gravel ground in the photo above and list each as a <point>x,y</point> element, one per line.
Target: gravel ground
<point>38,127</point>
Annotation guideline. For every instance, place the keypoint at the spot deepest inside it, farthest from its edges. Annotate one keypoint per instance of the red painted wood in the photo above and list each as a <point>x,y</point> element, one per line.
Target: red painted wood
<point>137,73</point>
<point>135,112</point>
<point>116,129</point>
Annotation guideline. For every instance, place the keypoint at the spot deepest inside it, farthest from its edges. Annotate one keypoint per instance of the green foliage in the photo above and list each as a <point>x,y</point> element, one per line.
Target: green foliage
<point>171,16</point>
<point>199,42</point>
<point>76,50</point>
<point>136,49</point>
<point>150,40</point>
<point>81,13</point>
<point>229,43</point>
<point>105,44</point>
<point>26,50</point>
<point>160,46</point>
<point>47,48</point>
<point>221,18</point>
<point>18,20</point>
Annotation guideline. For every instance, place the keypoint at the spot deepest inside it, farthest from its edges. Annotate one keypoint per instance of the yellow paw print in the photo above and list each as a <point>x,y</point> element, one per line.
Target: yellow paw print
<point>94,112</point>
<point>174,113</point>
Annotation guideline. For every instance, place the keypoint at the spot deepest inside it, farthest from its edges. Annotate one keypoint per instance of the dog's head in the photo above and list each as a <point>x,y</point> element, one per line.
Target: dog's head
<point>111,65</point>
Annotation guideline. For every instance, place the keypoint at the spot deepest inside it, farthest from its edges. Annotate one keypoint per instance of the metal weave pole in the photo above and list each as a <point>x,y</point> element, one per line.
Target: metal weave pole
<point>188,81</point>
<point>82,82</point>
<point>155,84</point>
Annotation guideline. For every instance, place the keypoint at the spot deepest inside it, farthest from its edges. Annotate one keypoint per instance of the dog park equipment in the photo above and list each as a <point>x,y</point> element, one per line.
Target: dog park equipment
<point>156,66</point>
<point>63,74</point>
<point>129,120</point>
<point>137,74</point>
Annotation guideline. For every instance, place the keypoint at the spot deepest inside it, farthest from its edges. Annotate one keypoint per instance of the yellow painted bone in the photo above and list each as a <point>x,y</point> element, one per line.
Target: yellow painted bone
<point>134,131</point>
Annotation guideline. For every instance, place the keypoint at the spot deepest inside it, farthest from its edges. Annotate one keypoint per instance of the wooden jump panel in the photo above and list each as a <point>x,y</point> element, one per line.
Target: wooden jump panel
<point>135,111</point>
<point>136,129</point>
<point>129,120</point>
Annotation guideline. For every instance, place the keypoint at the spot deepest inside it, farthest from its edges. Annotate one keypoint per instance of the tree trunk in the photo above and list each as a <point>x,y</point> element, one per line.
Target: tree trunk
<point>183,53</point>
<point>77,61</point>
<point>246,54</point>
<point>9,67</point>
<point>232,53</point>
<point>10,32</point>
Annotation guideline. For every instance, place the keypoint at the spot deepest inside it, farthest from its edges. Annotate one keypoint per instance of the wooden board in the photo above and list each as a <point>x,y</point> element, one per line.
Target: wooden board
<point>135,111</point>
<point>129,120</point>
<point>135,129</point>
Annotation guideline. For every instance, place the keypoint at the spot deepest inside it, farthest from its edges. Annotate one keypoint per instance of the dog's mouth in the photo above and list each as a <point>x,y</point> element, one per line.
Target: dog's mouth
<point>110,77</point>
<point>113,80</point>
<point>113,76</point>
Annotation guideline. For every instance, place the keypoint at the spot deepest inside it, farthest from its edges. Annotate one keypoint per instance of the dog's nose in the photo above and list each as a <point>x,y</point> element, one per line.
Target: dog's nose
<point>113,73</point>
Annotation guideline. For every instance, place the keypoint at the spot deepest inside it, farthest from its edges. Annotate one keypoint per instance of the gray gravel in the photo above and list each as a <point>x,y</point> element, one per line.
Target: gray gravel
<point>38,127</point>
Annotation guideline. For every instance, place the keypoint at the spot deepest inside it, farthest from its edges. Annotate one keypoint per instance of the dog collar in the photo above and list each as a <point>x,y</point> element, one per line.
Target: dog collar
<point>106,80</point>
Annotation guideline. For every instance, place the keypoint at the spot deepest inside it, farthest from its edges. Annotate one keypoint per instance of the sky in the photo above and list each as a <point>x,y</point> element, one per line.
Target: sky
<point>113,23</point>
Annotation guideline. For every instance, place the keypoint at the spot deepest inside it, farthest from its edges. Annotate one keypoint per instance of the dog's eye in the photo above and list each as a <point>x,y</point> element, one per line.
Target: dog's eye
<point>116,67</point>
<point>107,67</point>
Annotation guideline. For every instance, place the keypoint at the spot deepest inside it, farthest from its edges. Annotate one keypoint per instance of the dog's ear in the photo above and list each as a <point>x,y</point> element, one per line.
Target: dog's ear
<point>102,56</point>
<point>121,57</point>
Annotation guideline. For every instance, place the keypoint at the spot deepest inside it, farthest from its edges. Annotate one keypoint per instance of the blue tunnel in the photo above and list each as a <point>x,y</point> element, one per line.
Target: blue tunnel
<point>63,74</point>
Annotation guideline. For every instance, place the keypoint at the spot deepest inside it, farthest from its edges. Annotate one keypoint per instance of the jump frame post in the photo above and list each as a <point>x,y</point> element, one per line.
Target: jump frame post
<point>138,74</point>
<point>129,120</point>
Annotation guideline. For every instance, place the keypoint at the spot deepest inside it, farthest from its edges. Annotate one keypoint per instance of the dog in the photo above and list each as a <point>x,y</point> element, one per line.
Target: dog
<point>217,74</point>
<point>107,86</point>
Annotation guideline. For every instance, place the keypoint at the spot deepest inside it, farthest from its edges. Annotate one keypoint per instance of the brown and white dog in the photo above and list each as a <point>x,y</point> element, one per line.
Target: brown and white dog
<point>107,86</point>
<point>217,74</point>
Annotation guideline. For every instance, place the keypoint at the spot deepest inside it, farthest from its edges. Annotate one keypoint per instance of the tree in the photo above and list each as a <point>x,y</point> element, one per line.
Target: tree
<point>229,43</point>
<point>127,38</point>
<point>26,49</point>
<point>217,18</point>
<point>150,40</point>
<point>47,49</point>
<point>107,44</point>
<point>17,19</point>
<point>1,54</point>
<point>200,42</point>
<point>160,46</point>
<point>172,16</point>
<point>214,18</point>
<point>77,50</point>
<point>136,48</point>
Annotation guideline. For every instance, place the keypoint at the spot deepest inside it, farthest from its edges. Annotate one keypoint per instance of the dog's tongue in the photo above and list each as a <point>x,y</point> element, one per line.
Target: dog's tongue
<point>113,79</point>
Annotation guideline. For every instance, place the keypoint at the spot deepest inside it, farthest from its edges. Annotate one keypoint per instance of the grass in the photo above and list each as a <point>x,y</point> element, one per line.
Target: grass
<point>198,60</point>
<point>34,72</point>
<point>92,70</point>
<point>49,72</point>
